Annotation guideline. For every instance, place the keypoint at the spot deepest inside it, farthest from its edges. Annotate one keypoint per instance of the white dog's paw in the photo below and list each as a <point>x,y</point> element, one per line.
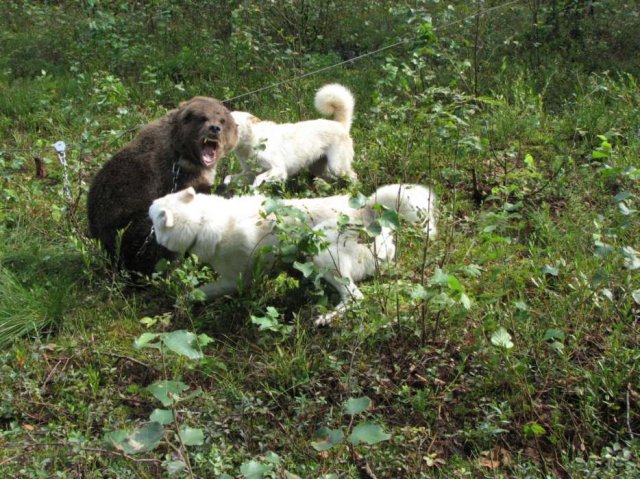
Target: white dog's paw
<point>325,320</point>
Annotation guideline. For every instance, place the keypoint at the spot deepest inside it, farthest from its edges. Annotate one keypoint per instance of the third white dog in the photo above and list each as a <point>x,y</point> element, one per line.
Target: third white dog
<point>227,234</point>
<point>283,150</point>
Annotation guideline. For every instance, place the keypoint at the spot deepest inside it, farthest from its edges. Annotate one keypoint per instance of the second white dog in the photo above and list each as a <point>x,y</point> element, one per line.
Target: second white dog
<point>227,234</point>
<point>282,150</point>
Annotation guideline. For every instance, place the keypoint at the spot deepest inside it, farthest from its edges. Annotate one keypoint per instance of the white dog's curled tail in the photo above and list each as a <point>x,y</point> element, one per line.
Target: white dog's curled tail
<point>414,203</point>
<point>337,101</point>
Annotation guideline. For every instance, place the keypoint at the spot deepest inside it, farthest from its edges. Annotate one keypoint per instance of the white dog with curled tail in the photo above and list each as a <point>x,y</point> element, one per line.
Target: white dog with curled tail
<point>282,150</point>
<point>227,234</point>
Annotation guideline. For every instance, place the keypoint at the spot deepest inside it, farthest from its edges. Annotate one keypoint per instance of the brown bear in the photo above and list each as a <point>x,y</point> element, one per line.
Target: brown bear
<point>177,151</point>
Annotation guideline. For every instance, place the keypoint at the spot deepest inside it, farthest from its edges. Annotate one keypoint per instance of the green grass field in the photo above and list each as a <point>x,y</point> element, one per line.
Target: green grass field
<point>506,347</point>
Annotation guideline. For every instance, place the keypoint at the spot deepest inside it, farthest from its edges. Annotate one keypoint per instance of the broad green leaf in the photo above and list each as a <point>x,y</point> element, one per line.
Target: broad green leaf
<point>272,458</point>
<point>367,432</point>
<point>603,249</point>
<point>326,438</point>
<point>418,292</point>
<point>163,417</point>
<point>306,268</point>
<point>389,219</point>
<point>358,201</point>
<point>166,391</point>
<point>374,229</point>
<point>145,340</point>
<point>454,284</point>
<point>622,196</point>
<point>204,339</point>
<point>533,429</point>
<point>529,162</point>
<point>354,406</point>
<point>439,277</point>
<point>143,439</point>
<point>191,436</point>
<point>553,334</point>
<point>520,305</point>
<point>116,439</point>
<point>175,467</point>
<point>502,338</point>
<point>183,343</point>
<point>549,270</point>
<point>465,300</point>
<point>253,469</point>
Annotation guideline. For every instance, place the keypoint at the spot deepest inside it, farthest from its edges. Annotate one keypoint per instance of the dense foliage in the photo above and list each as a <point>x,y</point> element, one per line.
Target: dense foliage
<point>508,346</point>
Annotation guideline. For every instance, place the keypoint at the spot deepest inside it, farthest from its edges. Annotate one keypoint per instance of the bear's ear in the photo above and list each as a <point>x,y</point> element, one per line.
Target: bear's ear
<point>167,217</point>
<point>188,195</point>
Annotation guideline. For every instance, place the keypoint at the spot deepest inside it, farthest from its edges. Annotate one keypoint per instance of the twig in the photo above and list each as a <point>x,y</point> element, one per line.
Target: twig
<point>125,357</point>
<point>629,413</point>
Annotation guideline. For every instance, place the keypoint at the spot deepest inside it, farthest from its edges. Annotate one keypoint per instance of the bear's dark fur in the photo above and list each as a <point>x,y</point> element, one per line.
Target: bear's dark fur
<point>191,138</point>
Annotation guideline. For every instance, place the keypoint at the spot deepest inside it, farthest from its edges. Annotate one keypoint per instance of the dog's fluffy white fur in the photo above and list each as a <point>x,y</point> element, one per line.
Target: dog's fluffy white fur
<point>227,234</point>
<point>283,150</point>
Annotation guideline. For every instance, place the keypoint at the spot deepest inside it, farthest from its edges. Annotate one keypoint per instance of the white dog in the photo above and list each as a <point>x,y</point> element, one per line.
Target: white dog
<point>283,150</point>
<point>227,234</point>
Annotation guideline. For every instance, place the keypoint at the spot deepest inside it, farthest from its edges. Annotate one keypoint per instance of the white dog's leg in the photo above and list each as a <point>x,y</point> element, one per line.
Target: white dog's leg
<point>349,294</point>
<point>274,174</point>
<point>339,158</point>
<point>219,288</point>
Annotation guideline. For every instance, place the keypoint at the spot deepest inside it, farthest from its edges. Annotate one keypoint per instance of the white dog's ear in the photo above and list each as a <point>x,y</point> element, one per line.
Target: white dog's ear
<point>254,119</point>
<point>188,195</point>
<point>167,217</point>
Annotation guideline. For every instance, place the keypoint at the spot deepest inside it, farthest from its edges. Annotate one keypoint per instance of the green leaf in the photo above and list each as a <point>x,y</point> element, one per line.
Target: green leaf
<point>358,201</point>
<point>465,300</point>
<point>529,162</point>
<point>636,296</point>
<point>534,430</point>
<point>454,284</point>
<point>253,469</point>
<point>306,268</point>
<point>143,439</point>
<point>191,436</point>
<point>622,196</point>
<point>439,277</point>
<point>553,334</point>
<point>520,305</point>
<point>272,458</point>
<point>367,432</point>
<point>502,338</point>
<point>163,417</point>
<point>354,406</point>
<point>145,339</point>
<point>174,467</point>
<point>204,339</point>
<point>374,229</point>
<point>167,391</point>
<point>549,270</point>
<point>326,438</point>
<point>389,219</point>
<point>183,343</point>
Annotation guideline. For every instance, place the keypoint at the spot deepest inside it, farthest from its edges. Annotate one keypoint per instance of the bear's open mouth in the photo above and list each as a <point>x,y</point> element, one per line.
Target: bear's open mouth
<point>209,152</point>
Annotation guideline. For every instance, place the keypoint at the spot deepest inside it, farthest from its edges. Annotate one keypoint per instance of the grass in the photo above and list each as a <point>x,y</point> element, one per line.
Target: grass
<point>537,214</point>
